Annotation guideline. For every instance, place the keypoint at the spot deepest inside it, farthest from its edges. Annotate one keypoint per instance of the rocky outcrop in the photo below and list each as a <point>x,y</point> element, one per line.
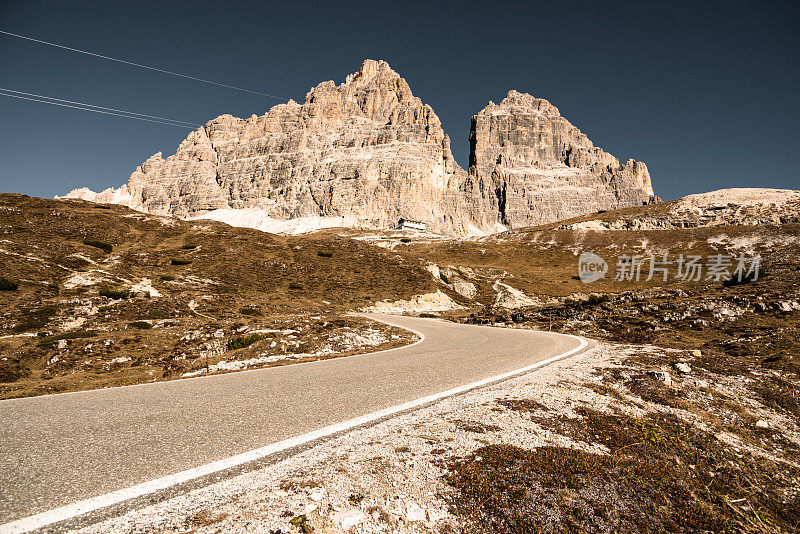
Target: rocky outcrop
<point>532,166</point>
<point>745,206</point>
<point>369,152</point>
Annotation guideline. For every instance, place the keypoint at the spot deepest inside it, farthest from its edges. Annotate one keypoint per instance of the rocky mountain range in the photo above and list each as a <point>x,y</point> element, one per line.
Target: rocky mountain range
<point>367,152</point>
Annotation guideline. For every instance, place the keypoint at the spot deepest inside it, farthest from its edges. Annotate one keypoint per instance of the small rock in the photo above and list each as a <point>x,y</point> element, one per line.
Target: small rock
<point>682,367</point>
<point>787,306</point>
<point>762,424</point>
<point>701,383</point>
<point>62,344</point>
<point>696,353</point>
<point>317,496</point>
<point>414,512</point>
<point>310,508</point>
<point>347,519</point>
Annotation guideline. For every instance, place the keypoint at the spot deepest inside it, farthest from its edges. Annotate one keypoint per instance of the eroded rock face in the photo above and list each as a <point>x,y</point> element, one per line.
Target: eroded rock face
<point>369,150</point>
<point>532,166</point>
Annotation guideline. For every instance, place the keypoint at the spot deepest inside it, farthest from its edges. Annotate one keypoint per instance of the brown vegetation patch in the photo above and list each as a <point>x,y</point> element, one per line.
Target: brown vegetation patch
<point>660,476</point>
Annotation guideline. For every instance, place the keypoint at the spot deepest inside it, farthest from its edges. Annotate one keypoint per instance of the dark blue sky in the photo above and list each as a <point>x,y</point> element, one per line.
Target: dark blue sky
<point>706,93</point>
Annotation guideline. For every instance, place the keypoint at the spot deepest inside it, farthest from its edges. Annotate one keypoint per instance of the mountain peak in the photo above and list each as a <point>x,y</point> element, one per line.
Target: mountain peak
<point>367,150</point>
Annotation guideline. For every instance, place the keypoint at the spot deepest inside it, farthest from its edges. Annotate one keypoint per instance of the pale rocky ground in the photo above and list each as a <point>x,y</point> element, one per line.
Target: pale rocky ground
<point>742,196</point>
<point>428,302</point>
<point>737,206</point>
<point>388,477</point>
<point>458,279</point>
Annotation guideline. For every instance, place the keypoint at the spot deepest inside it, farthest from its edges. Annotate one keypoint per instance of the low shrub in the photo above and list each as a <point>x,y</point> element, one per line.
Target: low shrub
<point>240,342</point>
<point>7,285</point>
<point>140,325</point>
<point>189,247</point>
<point>167,277</point>
<point>114,293</point>
<point>597,299</point>
<point>98,244</point>
<point>324,254</point>
<point>180,261</point>
<point>11,370</point>
<point>250,311</point>
<point>295,285</point>
<point>35,318</point>
<point>49,341</point>
<point>405,240</point>
<point>301,523</point>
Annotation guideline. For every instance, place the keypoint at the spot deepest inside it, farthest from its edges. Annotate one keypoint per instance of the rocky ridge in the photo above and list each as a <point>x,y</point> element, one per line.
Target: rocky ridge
<point>368,152</point>
<point>724,207</point>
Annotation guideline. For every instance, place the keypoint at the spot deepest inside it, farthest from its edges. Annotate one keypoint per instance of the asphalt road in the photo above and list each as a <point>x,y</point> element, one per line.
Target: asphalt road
<point>59,449</point>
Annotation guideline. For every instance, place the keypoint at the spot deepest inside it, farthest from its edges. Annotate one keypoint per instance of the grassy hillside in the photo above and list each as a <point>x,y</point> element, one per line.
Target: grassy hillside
<point>101,295</point>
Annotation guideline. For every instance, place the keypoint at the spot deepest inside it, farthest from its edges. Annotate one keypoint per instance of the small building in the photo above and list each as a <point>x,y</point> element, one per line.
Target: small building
<point>410,224</point>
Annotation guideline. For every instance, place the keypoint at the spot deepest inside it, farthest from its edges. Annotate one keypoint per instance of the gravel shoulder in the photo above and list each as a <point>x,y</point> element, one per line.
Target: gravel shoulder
<point>407,474</point>
<point>385,478</point>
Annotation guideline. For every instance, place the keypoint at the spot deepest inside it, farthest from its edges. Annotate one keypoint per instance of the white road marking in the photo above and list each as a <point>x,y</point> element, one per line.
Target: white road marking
<point>64,513</point>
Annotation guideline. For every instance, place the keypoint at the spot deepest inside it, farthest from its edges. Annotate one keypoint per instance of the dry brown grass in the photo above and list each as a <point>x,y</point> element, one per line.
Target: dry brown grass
<point>661,476</point>
<point>232,272</point>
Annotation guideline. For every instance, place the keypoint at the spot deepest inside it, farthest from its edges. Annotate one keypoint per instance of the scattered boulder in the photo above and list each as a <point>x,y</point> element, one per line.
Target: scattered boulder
<point>464,288</point>
<point>510,297</point>
<point>414,512</point>
<point>787,306</point>
<point>347,519</point>
<point>682,367</point>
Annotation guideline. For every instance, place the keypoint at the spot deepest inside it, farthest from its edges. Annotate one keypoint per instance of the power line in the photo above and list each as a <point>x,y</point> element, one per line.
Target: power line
<point>181,123</point>
<point>95,110</point>
<point>131,63</point>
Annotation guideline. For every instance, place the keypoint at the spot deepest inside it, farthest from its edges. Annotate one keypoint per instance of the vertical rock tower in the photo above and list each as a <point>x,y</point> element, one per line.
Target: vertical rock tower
<point>531,166</point>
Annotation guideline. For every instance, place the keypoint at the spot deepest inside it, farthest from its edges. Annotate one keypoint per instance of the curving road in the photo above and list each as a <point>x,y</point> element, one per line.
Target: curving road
<point>64,448</point>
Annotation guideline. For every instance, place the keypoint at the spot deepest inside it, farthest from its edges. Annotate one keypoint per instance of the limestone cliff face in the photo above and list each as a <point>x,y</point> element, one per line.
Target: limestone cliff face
<point>531,166</point>
<point>369,150</point>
